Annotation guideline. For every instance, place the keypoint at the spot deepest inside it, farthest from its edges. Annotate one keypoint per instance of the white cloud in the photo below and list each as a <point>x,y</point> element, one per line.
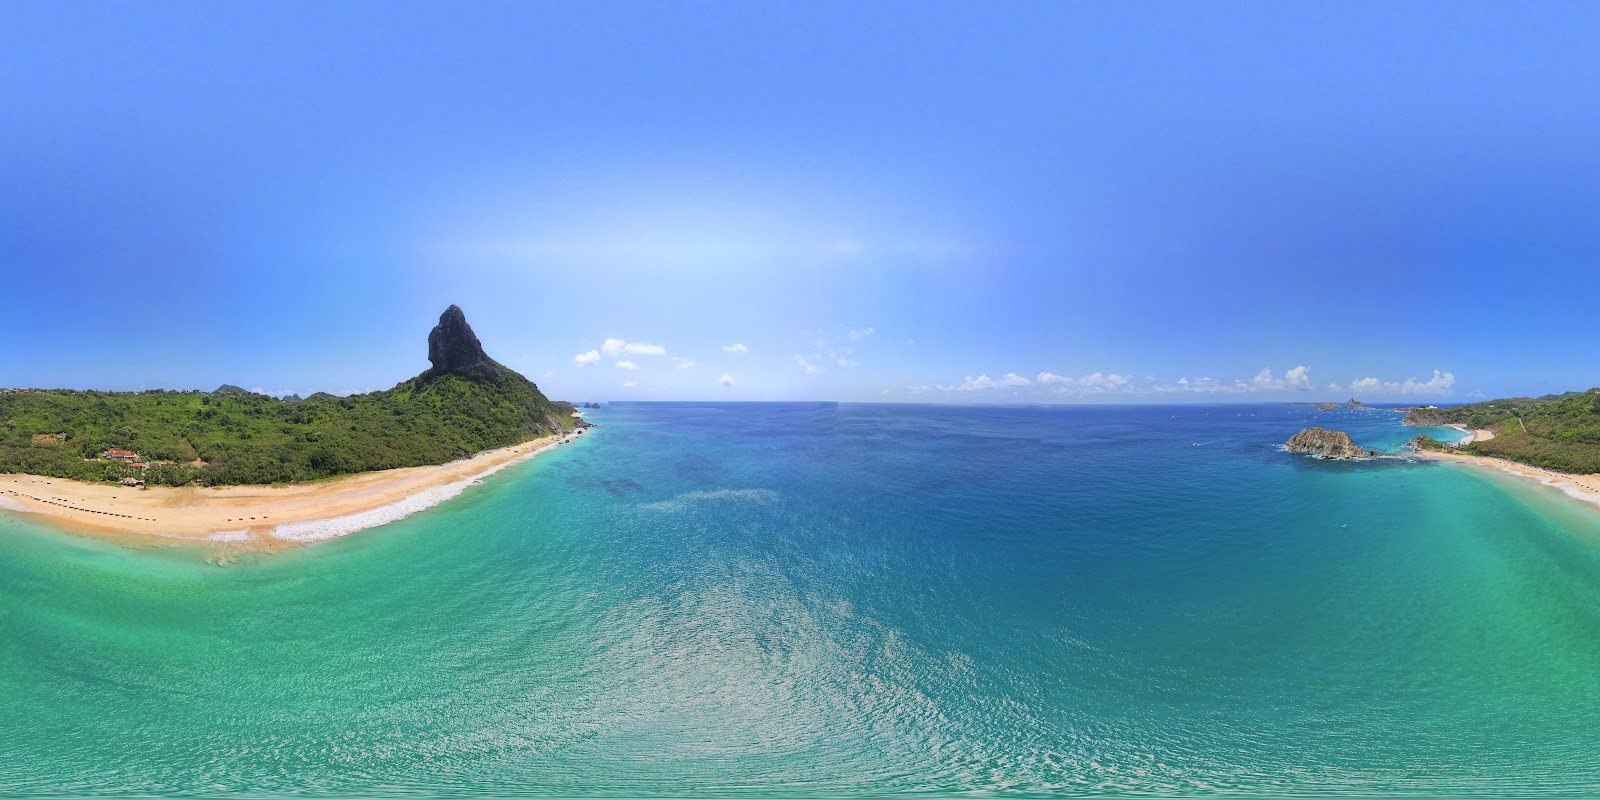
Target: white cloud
<point>911,341</point>
<point>1093,382</point>
<point>805,365</point>
<point>984,382</point>
<point>616,347</point>
<point>585,359</point>
<point>626,365</point>
<point>1442,383</point>
<point>736,348</point>
<point>550,373</point>
<point>630,384</point>
<point>861,334</point>
<point>845,362</point>
<point>1295,380</point>
<point>971,384</point>
<point>684,363</point>
<point>1298,379</point>
<point>1264,381</point>
<point>725,380</point>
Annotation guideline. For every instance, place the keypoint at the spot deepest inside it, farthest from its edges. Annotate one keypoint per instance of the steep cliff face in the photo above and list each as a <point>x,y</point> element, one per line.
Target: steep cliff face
<point>1353,403</point>
<point>465,381</point>
<point>1424,417</point>
<point>454,348</point>
<point>1322,443</point>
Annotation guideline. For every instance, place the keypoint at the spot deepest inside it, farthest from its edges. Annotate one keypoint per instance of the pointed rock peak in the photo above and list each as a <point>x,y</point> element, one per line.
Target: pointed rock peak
<point>453,347</point>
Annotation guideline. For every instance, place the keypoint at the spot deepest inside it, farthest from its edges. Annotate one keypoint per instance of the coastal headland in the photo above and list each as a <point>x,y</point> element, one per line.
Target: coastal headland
<point>1506,429</point>
<point>248,472</point>
<point>1554,439</point>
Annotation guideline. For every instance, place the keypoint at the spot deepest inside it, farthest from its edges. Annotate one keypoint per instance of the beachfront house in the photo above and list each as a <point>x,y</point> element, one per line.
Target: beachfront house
<point>125,456</point>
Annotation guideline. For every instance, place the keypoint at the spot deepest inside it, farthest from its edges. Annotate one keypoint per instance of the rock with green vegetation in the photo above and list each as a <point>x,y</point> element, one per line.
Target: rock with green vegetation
<point>1353,403</point>
<point>1425,417</point>
<point>1423,443</point>
<point>464,404</point>
<point>1556,431</point>
<point>1322,443</point>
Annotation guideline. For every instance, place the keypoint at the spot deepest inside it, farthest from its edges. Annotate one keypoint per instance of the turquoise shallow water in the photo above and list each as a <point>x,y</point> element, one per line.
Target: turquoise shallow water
<point>819,599</point>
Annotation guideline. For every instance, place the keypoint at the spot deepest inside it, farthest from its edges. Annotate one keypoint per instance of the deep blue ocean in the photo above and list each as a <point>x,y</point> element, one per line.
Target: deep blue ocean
<point>833,599</point>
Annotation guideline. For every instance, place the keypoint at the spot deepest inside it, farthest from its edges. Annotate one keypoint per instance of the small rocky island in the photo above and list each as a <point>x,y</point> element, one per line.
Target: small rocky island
<point>1354,403</point>
<point>1333,445</point>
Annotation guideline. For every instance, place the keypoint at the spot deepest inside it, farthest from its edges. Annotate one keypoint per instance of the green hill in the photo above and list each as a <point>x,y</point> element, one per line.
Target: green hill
<point>1559,431</point>
<point>464,404</point>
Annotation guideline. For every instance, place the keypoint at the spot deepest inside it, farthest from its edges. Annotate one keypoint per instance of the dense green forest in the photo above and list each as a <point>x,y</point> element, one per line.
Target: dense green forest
<point>251,438</point>
<point>1559,431</point>
<point>256,439</point>
<point>465,404</point>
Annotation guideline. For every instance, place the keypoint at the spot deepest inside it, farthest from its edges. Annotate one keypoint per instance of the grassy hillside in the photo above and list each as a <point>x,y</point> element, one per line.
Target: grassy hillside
<point>1559,431</point>
<point>249,438</point>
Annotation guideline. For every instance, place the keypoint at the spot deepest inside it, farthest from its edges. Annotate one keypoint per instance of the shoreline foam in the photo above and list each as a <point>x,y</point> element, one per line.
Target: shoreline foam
<point>1583,488</point>
<point>267,518</point>
<point>316,530</point>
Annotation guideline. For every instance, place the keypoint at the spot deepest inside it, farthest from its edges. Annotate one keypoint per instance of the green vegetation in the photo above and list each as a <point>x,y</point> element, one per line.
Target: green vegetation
<point>1429,443</point>
<point>1559,431</point>
<point>249,438</point>
<point>466,403</point>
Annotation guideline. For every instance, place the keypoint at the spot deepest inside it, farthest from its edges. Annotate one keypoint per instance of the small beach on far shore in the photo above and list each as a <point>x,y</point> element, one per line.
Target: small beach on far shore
<point>1473,434</point>
<point>254,518</point>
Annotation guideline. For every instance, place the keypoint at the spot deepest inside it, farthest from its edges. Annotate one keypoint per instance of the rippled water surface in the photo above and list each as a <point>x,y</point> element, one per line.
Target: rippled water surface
<point>818,599</point>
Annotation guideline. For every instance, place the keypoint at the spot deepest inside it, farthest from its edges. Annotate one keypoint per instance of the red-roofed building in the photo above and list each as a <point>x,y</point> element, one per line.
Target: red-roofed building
<point>120,455</point>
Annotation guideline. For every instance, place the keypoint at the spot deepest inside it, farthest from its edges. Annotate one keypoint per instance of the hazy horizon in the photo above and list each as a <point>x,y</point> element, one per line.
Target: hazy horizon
<point>1045,204</point>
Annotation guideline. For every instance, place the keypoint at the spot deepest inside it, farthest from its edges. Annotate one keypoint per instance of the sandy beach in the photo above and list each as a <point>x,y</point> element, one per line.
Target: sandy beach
<point>1579,487</point>
<point>255,518</point>
<point>1473,434</point>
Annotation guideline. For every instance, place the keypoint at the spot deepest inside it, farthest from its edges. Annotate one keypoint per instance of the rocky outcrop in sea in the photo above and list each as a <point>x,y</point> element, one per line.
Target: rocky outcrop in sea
<point>1322,443</point>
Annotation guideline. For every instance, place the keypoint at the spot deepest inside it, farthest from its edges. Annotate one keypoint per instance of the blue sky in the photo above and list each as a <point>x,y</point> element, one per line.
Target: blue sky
<point>1053,202</point>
